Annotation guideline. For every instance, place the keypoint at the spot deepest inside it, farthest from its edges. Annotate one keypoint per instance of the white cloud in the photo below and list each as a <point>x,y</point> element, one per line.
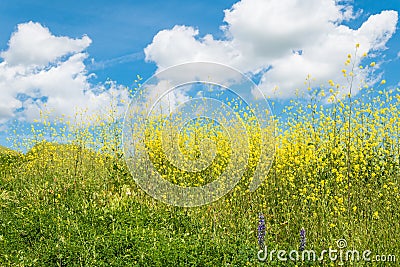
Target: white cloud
<point>291,38</point>
<point>33,44</point>
<point>39,68</point>
<point>179,45</point>
<point>379,28</point>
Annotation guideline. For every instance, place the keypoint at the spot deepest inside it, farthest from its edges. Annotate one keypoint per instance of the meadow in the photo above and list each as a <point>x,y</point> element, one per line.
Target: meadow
<point>67,197</point>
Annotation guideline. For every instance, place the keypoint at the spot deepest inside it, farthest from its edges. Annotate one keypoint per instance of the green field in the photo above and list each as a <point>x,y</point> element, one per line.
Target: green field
<point>336,174</point>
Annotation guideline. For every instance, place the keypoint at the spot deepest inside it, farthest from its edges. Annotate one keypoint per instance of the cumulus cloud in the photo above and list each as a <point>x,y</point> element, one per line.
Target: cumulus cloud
<point>33,44</point>
<point>283,40</point>
<point>40,69</point>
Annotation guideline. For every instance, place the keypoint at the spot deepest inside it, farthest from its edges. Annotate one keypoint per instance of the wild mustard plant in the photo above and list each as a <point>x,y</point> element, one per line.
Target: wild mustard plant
<point>69,199</point>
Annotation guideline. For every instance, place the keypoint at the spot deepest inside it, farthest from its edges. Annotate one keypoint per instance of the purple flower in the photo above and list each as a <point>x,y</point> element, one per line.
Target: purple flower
<point>302,239</point>
<point>261,231</point>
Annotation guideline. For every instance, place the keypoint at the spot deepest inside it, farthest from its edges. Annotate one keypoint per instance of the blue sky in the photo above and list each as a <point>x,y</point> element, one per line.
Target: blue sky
<point>119,45</point>
<point>119,29</point>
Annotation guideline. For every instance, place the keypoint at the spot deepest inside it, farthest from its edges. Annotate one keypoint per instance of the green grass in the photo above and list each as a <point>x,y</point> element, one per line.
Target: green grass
<point>98,221</point>
<point>105,220</point>
<point>335,173</point>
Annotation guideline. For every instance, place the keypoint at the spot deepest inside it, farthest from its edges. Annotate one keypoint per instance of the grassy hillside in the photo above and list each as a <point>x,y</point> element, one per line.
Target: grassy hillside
<point>9,155</point>
<point>9,160</point>
<point>336,174</point>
